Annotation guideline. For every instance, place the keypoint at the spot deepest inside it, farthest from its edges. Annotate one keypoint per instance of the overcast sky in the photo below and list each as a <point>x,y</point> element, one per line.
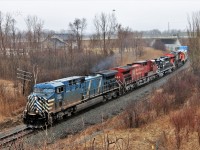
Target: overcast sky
<point>137,14</point>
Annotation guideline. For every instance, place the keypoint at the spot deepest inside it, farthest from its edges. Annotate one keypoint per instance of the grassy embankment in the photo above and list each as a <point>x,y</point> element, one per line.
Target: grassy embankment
<point>167,119</point>
<point>11,102</point>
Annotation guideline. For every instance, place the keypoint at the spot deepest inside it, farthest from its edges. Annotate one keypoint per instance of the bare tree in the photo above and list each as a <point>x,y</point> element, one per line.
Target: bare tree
<point>1,31</point>
<point>106,26</point>
<point>70,47</point>
<point>34,33</point>
<point>194,41</point>
<point>137,43</point>
<point>19,44</point>
<point>35,73</point>
<point>5,29</point>
<point>77,28</point>
<point>38,31</point>
<point>29,33</point>
<point>122,34</point>
<point>12,37</point>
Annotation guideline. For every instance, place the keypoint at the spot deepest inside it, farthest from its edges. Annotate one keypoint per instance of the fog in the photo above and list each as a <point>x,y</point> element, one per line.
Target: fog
<point>137,14</point>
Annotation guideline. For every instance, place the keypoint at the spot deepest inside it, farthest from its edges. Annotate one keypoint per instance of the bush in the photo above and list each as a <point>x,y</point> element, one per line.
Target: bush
<point>160,103</point>
<point>11,102</point>
<point>184,121</point>
<point>180,87</point>
<point>137,114</point>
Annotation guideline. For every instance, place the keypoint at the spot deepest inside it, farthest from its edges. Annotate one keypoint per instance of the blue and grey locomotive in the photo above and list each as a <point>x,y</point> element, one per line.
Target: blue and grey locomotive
<point>52,100</point>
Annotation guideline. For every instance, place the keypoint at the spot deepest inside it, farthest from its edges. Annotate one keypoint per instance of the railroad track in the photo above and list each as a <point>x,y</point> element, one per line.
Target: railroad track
<point>13,134</point>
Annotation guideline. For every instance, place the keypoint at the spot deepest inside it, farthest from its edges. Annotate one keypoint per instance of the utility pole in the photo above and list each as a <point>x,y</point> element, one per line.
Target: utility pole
<point>24,76</point>
<point>168,28</point>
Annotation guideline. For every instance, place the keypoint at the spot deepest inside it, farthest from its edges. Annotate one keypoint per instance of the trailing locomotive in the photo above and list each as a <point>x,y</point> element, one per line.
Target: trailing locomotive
<point>51,101</point>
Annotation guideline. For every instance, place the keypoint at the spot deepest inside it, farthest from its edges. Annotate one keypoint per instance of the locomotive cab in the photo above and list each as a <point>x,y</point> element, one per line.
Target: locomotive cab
<point>39,104</point>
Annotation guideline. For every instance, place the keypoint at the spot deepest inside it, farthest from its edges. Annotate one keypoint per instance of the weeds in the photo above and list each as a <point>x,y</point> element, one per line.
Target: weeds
<point>11,101</point>
<point>160,103</point>
<point>179,92</point>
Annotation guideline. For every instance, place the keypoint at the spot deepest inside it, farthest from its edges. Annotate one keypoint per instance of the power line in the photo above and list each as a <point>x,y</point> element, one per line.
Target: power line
<point>24,76</point>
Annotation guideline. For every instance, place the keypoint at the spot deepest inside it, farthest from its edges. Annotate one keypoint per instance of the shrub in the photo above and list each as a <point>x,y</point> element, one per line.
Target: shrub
<point>160,103</point>
<point>10,102</point>
<point>136,114</point>
<point>180,87</point>
<point>185,121</point>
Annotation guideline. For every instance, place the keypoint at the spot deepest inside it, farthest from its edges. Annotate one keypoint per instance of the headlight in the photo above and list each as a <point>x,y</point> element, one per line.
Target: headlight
<point>25,110</point>
<point>36,111</point>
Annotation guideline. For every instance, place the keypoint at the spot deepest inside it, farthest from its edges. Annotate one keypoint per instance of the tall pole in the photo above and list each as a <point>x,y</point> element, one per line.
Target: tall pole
<point>24,76</point>
<point>168,27</point>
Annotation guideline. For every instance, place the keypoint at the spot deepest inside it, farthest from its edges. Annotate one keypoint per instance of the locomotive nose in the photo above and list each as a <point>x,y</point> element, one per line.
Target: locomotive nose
<point>32,105</point>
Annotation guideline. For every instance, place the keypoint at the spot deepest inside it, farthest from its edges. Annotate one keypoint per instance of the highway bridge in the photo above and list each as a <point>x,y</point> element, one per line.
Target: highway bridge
<point>170,41</point>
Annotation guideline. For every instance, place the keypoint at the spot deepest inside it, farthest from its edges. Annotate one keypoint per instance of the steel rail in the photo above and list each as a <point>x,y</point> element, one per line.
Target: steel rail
<point>14,134</point>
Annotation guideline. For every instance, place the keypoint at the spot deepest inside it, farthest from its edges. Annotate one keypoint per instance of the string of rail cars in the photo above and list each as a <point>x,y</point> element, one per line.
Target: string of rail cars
<point>51,101</point>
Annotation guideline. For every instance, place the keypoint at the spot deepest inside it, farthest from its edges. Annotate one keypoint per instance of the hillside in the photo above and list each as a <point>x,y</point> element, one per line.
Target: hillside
<point>167,119</point>
<point>11,104</point>
<point>159,133</point>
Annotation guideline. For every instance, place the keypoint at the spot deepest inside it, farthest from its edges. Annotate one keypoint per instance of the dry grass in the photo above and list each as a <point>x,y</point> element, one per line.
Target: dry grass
<point>158,132</point>
<point>148,53</point>
<point>155,130</point>
<point>11,101</point>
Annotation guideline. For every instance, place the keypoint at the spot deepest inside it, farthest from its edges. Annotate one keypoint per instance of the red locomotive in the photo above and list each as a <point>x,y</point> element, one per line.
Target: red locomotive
<point>124,77</point>
<point>135,74</point>
<point>143,71</point>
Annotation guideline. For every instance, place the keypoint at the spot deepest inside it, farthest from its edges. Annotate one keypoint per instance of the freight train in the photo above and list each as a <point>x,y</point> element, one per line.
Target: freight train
<point>51,101</point>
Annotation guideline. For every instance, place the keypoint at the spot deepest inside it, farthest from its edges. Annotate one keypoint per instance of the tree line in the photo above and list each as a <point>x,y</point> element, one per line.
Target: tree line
<point>23,48</point>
